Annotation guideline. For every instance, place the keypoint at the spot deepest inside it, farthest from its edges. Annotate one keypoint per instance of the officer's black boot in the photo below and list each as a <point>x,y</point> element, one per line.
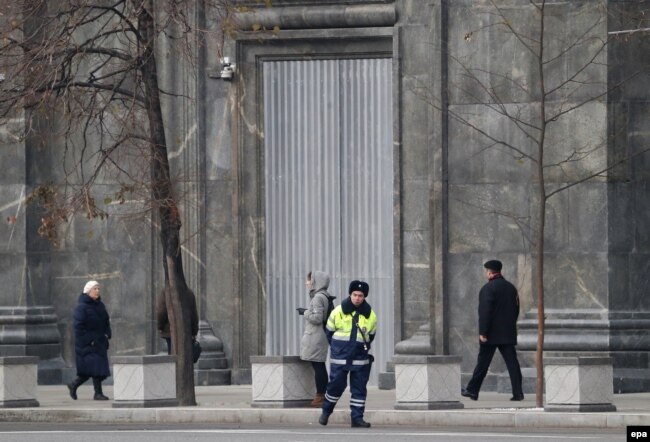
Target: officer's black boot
<point>99,395</point>
<point>324,417</point>
<point>360,423</point>
<point>72,387</point>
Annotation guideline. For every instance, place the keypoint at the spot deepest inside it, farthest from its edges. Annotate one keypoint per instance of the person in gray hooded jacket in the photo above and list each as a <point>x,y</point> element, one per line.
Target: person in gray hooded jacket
<point>314,346</point>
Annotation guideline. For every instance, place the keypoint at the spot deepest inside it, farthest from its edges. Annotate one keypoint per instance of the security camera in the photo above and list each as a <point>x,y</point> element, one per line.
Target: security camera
<point>227,69</point>
<point>227,73</point>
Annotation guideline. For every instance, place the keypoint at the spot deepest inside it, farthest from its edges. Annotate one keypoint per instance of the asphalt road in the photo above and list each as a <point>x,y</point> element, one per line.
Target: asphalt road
<point>334,433</point>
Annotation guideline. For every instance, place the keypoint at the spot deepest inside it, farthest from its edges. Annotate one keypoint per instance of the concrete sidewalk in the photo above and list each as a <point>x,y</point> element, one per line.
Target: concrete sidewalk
<point>232,405</point>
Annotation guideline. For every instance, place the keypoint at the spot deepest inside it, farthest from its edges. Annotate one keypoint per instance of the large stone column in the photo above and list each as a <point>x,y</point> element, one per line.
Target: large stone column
<point>420,278</point>
<point>28,323</point>
<point>189,157</point>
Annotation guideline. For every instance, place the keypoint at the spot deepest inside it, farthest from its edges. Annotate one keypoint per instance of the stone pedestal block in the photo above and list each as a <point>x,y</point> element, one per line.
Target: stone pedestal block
<point>282,382</point>
<point>144,381</point>
<point>18,380</point>
<point>427,382</point>
<point>578,384</point>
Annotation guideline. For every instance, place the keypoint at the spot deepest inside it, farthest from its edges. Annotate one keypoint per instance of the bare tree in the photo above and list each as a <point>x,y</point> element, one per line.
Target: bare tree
<point>560,76</point>
<point>85,74</point>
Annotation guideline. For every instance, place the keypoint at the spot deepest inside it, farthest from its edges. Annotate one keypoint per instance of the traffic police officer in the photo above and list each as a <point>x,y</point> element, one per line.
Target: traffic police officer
<point>350,329</point>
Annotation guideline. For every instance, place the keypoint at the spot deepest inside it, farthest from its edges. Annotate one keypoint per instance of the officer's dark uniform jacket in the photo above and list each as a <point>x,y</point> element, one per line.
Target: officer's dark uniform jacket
<point>346,339</point>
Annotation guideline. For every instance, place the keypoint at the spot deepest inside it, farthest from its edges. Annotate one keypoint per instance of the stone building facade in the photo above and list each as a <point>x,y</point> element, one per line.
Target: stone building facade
<point>459,193</point>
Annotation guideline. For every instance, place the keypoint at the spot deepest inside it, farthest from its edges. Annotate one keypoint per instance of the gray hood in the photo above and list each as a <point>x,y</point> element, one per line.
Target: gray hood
<point>321,282</point>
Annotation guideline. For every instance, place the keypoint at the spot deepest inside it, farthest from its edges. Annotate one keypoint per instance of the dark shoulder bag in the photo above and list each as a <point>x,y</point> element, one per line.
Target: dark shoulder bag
<point>196,350</point>
<point>366,343</point>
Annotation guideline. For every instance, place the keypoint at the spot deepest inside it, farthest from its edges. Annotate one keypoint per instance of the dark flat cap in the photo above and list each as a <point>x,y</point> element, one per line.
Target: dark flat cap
<point>493,265</point>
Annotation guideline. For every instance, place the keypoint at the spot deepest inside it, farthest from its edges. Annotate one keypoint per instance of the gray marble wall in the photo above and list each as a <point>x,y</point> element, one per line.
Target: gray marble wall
<point>628,196</point>
<point>459,199</point>
<point>593,238</point>
<point>493,93</point>
<point>13,259</point>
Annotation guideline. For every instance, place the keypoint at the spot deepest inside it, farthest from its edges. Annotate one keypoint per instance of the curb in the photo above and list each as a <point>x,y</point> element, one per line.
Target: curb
<point>425,418</point>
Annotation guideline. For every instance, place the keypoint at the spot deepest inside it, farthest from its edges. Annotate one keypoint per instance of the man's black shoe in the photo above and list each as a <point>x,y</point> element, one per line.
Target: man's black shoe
<point>100,397</point>
<point>323,419</point>
<point>517,398</point>
<point>472,396</point>
<point>360,423</point>
<point>72,388</point>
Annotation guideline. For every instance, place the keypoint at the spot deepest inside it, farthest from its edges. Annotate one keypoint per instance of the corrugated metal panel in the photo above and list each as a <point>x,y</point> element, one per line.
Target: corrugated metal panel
<point>329,189</point>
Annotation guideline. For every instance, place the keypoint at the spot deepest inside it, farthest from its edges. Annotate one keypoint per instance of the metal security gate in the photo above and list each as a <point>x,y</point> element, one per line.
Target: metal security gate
<point>328,159</point>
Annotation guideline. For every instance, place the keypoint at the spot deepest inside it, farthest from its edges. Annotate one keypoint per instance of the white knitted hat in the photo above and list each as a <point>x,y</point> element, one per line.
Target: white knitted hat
<point>89,285</point>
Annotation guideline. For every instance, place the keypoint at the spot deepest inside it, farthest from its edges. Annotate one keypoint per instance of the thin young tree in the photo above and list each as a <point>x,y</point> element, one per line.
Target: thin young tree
<point>84,75</point>
<point>560,75</point>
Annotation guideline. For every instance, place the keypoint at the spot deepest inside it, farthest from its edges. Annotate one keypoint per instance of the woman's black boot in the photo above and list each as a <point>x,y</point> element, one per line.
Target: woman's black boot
<point>72,388</point>
<point>99,395</point>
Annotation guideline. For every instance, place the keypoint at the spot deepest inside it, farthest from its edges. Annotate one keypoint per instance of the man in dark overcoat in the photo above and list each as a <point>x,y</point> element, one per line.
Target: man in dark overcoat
<point>498,309</point>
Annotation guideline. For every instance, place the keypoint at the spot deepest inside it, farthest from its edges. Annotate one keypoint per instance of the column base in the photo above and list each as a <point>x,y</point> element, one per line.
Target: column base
<point>580,408</point>
<point>386,380</point>
<point>281,404</point>
<point>452,405</point>
<point>20,403</point>
<point>212,377</point>
<point>212,366</point>
<point>152,403</point>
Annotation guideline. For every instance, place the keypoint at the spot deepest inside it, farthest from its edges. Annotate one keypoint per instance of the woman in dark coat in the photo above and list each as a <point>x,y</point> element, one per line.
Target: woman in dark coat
<point>92,330</point>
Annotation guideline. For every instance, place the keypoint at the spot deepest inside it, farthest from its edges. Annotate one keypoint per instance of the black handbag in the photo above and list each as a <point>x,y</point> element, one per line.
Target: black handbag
<point>196,351</point>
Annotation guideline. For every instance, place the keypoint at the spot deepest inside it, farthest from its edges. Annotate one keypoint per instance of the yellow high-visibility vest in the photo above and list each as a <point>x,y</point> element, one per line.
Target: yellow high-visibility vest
<point>346,345</point>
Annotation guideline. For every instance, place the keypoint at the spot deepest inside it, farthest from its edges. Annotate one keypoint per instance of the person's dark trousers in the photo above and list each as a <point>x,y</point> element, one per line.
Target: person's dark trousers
<point>335,388</point>
<point>169,345</point>
<point>338,382</point>
<point>358,392</point>
<point>509,355</point>
<point>80,380</point>
<point>485,354</point>
<point>320,375</point>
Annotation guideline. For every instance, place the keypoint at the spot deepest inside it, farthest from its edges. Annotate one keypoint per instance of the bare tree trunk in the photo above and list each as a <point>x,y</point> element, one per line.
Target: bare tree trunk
<point>541,217</point>
<point>176,291</point>
<point>539,283</point>
<point>539,273</point>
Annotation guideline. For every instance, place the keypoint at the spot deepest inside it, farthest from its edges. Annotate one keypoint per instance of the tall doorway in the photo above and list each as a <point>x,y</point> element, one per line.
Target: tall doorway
<point>328,163</point>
